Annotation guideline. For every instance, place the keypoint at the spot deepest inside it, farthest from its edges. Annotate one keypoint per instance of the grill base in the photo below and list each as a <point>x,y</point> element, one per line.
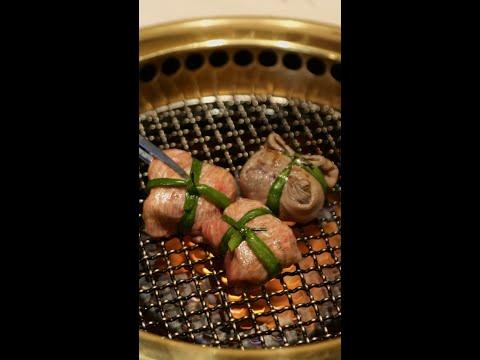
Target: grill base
<point>182,287</point>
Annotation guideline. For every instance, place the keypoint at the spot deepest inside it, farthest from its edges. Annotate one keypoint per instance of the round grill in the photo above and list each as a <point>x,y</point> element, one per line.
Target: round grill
<point>217,88</point>
<point>183,292</point>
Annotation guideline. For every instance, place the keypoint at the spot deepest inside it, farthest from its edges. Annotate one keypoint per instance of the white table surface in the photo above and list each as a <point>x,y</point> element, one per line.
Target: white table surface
<point>162,11</point>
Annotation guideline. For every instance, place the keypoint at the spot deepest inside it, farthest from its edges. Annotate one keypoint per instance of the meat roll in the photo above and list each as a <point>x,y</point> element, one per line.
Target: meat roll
<point>246,263</point>
<point>164,208</point>
<point>298,181</point>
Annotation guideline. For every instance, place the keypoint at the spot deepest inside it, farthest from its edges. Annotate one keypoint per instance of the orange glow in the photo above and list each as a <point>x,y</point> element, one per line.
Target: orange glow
<point>334,240</point>
<point>234,298</point>
<point>311,230</point>
<point>330,227</point>
<point>239,311</point>
<point>260,307</point>
<point>318,244</point>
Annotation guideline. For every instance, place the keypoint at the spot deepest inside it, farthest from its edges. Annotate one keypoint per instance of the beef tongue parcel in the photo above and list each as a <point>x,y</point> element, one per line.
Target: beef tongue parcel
<point>307,178</point>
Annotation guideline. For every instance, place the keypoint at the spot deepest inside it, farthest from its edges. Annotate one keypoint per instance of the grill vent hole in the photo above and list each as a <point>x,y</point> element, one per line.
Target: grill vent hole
<point>243,57</point>
<point>267,58</point>
<point>147,72</point>
<point>218,58</point>
<point>170,66</point>
<point>336,72</point>
<point>194,61</point>
<point>292,61</point>
<point>316,66</point>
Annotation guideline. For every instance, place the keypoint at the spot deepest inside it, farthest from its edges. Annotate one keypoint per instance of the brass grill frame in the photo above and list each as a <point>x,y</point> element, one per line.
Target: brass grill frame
<point>304,39</point>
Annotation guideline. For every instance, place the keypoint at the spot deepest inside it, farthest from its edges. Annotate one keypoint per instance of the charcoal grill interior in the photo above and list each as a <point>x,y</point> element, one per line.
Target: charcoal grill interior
<point>220,102</point>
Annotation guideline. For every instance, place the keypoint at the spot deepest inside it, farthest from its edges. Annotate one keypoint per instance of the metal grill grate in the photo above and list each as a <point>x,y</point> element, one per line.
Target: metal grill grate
<point>182,287</point>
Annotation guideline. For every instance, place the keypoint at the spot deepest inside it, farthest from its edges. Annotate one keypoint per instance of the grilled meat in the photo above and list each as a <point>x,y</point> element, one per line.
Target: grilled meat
<point>242,266</point>
<point>163,208</point>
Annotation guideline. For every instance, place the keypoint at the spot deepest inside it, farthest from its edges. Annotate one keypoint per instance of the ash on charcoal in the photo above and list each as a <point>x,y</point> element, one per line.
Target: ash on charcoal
<point>216,317</point>
<point>198,321</point>
<point>325,215</point>
<point>181,276</point>
<point>167,293</point>
<point>193,304</point>
<point>151,249</point>
<point>293,336</point>
<point>145,298</point>
<point>331,273</point>
<point>272,340</point>
<point>186,289</point>
<point>328,309</point>
<point>337,289</point>
<point>171,310</point>
<point>338,254</point>
<point>212,299</point>
<point>338,303</point>
<point>177,326</point>
<point>223,333</point>
<point>162,279</point>
<point>252,343</point>
<point>144,283</point>
<point>205,284</point>
<point>205,338</point>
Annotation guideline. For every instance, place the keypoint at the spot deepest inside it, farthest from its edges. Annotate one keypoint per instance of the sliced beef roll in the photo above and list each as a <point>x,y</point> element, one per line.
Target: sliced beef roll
<point>165,207</point>
<point>245,260</point>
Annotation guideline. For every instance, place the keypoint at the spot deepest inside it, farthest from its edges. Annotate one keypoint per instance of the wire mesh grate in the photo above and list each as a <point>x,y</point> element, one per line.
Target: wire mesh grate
<point>183,293</point>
